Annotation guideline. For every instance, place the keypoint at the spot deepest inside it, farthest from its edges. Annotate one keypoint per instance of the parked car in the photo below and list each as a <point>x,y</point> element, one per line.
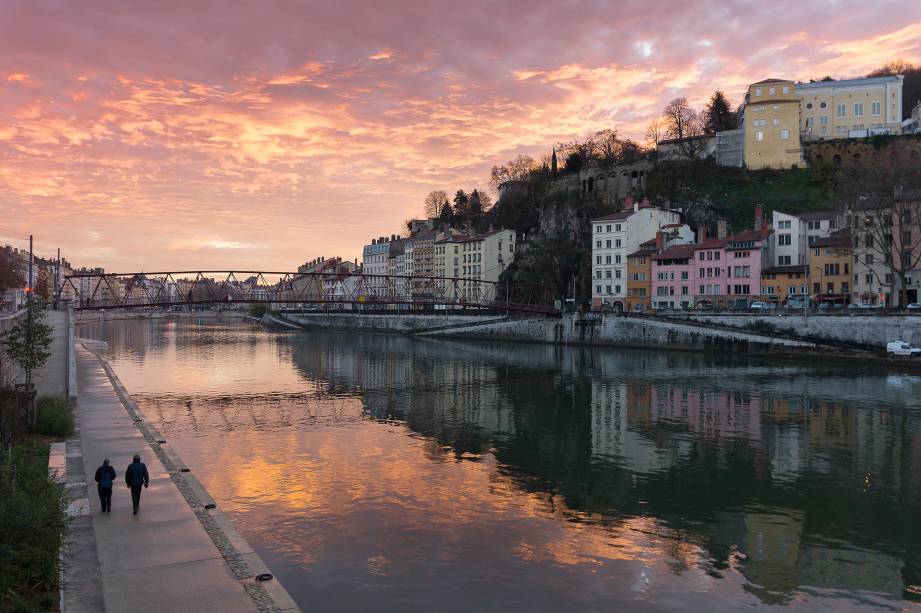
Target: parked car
<point>704,305</point>
<point>828,306</point>
<point>799,303</point>
<point>901,348</point>
<point>914,307</point>
<point>762,306</point>
<point>862,306</point>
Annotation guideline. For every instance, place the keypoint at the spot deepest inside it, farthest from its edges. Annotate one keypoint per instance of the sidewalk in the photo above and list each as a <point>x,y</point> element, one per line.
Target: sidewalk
<point>161,559</point>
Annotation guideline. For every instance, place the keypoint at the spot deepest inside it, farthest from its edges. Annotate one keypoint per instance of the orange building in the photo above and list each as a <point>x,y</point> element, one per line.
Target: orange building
<point>639,276</point>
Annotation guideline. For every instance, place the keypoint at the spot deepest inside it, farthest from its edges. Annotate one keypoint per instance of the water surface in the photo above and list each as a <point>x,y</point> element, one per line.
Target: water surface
<point>395,474</point>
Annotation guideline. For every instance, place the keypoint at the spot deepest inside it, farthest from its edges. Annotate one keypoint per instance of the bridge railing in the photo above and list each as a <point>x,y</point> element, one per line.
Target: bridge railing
<point>345,290</point>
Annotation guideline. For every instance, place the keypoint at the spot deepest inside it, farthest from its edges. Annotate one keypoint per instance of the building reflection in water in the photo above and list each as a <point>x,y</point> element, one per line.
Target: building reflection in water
<point>692,477</point>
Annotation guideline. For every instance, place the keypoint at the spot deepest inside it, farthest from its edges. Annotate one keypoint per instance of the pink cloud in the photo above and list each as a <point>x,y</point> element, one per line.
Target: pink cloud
<point>287,132</point>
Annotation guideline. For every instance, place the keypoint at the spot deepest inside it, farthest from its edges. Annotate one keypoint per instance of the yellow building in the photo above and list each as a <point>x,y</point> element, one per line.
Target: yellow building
<point>771,124</point>
<point>831,262</point>
<point>850,108</point>
<point>779,283</point>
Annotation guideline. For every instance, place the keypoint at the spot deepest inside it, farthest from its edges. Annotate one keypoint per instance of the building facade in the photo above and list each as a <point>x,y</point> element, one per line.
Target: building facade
<point>615,236</point>
<point>830,265</point>
<point>771,121</point>
<point>850,108</point>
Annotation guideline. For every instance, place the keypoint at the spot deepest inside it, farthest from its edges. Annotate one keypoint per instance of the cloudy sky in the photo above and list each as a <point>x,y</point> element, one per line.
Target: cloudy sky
<point>163,135</point>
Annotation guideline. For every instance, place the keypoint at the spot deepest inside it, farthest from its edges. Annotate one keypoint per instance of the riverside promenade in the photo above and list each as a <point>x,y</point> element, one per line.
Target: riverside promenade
<point>175,555</point>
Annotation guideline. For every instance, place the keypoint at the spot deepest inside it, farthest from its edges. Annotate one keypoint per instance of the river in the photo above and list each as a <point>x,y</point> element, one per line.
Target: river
<point>386,473</point>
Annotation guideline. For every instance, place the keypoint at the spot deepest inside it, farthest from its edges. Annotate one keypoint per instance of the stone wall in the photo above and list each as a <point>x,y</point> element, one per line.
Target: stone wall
<point>395,324</point>
<point>621,331</point>
<point>871,331</point>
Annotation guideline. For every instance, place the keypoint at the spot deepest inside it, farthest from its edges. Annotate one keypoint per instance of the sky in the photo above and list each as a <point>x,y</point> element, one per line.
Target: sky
<point>145,136</point>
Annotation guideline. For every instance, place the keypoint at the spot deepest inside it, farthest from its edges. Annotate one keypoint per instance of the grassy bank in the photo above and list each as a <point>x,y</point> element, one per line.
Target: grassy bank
<point>32,525</point>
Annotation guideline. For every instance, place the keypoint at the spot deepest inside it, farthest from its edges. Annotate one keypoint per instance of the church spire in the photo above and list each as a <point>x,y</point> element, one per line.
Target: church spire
<point>553,161</point>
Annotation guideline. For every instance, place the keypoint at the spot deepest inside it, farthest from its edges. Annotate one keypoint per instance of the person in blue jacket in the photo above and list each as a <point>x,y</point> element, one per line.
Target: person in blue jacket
<point>105,478</point>
<point>135,477</point>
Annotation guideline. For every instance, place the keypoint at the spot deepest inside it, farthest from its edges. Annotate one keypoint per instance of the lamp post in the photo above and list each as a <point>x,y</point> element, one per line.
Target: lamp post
<point>821,278</point>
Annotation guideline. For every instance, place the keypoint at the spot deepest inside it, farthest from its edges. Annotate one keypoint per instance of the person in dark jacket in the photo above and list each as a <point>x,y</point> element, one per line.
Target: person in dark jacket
<point>105,477</point>
<point>135,477</point>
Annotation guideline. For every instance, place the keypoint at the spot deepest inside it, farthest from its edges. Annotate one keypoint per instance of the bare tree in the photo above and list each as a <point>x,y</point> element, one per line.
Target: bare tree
<point>884,202</point>
<point>655,131</point>
<point>434,202</point>
<point>518,169</point>
<point>608,147</point>
<point>681,121</point>
<point>10,275</point>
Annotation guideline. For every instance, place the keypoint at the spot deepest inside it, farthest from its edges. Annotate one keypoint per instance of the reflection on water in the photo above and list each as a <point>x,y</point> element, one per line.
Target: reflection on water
<point>387,473</point>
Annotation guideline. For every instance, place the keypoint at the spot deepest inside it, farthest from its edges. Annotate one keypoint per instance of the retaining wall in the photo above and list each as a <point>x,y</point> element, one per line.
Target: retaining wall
<point>623,332</point>
<point>402,324</point>
<point>865,330</point>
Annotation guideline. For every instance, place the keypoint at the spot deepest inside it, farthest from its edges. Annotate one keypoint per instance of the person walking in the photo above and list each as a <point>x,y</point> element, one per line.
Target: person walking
<point>135,477</point>
<point>105,477</point>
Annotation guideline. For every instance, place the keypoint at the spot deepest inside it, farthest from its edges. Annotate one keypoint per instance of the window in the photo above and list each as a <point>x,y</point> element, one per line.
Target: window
<point>868,278</point>
<point>823,120</point>
<point>607,243</point>
<point>757,91</point>
<point>597,274</point>
<point>868,259</point>
<point>786,89</point>
<point>858,109</point>
<point>772,91</point>
<point>607,259</point>
<point>609,227</point>
<point>784,239</point>
<point>808,105</point>
<point>775,121</point>
<point>840,110</point>
<point>684,275</point>
<point>759,136</point>
<point>783,260</point>
<point>823,105</point>
<point>608,288</point>
<point>875,108</point>
<point>617,289</point>
<point>784,134</point>
<point>791,290</point>
<point>617,228</point>
<point>598,289</point>
<point>784,224</point>
<point>684,290</point>
<point>597,229</point>
<point>617,259</point>
<point>617,243</point>
<point>617,273</point>
<point>607,274</point>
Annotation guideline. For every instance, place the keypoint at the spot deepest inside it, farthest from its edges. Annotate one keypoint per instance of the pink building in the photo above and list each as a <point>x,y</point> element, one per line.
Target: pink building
<point>673,277</point>
<point>725,272</point>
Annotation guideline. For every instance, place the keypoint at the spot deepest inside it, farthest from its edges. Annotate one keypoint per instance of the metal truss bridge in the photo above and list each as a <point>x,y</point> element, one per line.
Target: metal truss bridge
<point>323,290</point>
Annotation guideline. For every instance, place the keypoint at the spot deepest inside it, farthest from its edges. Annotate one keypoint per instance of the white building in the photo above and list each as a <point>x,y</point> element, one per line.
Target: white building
<point>615,236</point>
<point>850,108</point>
<point>374,262</point>
<point>794,233</point>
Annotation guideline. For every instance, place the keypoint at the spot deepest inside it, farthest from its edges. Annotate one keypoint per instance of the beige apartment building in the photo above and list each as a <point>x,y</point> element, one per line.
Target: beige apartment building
<point>771,125</point>
<point>780,114</point>
<point>851,108</point>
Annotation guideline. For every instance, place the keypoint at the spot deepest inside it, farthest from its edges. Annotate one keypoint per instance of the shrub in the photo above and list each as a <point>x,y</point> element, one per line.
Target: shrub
<point>55,417</point>
<point>32,524</point>
<point>258,309</point>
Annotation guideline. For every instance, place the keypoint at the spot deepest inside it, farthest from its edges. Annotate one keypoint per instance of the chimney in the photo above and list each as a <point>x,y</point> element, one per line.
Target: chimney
<point>660,241</point>
<point>759,213</point>
<point>721,229</point>
<point>628,203</point>
<point>702,233</point>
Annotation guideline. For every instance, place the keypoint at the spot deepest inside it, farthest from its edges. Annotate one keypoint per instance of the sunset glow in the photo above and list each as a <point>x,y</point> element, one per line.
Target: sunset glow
<point>177,135</point>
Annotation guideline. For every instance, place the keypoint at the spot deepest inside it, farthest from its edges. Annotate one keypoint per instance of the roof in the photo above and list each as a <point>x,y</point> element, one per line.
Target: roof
<point>621,215</point>
<point>817,215</point>
<point>686,139</point>
<point>710,243</point>
<point>677,252</point>
<point>773,81</point>
<point>848,82</point>
<point>841,238</point>
<point>744,236</point>
<point>779,270</point>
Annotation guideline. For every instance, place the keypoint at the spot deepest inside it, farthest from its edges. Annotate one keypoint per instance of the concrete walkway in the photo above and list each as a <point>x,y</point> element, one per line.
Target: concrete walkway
<point>161,559</point>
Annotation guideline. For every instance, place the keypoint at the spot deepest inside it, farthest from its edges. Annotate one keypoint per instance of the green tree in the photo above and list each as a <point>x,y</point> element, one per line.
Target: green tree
<point>461,203</point>
<point>718,115</point>
<point>27,343</point>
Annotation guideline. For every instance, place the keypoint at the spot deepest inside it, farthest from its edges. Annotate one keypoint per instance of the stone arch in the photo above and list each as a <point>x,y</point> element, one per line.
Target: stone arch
<point>836,160</point>
<point>591,184</point>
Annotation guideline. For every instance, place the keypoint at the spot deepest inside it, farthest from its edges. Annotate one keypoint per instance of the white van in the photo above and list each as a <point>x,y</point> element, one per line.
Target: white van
<point>901,348</point>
